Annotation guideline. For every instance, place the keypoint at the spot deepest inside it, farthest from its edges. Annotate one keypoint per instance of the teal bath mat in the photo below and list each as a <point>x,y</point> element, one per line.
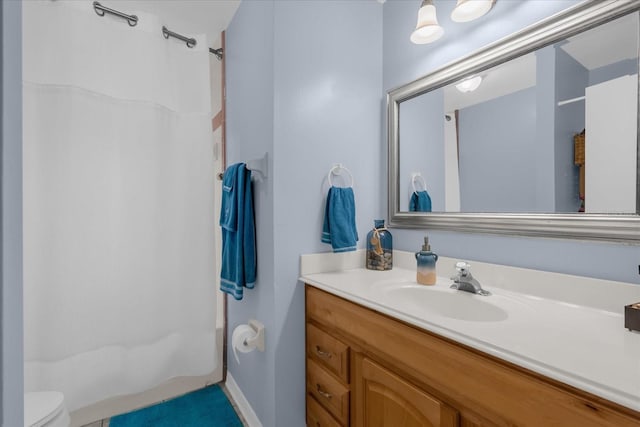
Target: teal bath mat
<point>208,407</point>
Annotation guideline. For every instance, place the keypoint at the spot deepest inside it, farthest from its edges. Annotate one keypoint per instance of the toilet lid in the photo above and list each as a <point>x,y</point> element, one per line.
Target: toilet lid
<point>41,406</point>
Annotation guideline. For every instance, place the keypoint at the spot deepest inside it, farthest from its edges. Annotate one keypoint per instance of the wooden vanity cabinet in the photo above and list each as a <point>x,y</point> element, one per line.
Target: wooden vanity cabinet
<point>379,371</point>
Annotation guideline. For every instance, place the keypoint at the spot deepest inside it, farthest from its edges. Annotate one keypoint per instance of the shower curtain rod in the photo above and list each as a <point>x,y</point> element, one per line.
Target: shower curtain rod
<point>132,20</point>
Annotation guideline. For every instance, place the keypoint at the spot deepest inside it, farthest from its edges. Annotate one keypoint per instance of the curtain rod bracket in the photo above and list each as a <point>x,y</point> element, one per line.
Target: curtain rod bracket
<point>217,52</point>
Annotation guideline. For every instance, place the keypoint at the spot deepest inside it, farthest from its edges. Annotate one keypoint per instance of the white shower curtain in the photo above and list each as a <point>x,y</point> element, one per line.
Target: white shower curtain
<point>119,280</point>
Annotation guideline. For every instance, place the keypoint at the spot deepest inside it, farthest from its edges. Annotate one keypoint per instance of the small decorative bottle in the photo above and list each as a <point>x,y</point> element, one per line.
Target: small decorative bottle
<point>426,264</point>
<point>379,247</point>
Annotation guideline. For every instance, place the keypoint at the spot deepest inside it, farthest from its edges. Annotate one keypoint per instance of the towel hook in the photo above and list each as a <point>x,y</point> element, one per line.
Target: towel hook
<point>417,176</point>
<point>337,169</point>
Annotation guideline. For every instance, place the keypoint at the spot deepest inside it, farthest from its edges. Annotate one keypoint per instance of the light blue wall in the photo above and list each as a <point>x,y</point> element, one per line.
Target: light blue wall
<point>250,110</point>
<point>404,61</point>
<point>422,133</point>
<point>303,83</point>
<point>327,110</point>
<point>11,372</point>
<point>608,72</point>
<point>497,145</point>
<point>545,132</point>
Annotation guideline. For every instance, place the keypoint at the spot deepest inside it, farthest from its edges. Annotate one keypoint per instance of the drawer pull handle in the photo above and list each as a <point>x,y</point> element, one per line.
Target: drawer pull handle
<point>322,392</point>
<point>321,353</point>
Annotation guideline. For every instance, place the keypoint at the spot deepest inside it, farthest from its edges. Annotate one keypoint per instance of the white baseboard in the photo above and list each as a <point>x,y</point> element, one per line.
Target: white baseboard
<point>242,403</point>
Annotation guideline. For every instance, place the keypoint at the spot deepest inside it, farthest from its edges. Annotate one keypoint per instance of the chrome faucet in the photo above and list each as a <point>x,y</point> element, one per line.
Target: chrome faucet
<point>464,281</point>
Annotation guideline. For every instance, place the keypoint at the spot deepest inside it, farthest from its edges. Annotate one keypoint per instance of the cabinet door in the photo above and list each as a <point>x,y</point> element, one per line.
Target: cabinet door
<point>388,400</point>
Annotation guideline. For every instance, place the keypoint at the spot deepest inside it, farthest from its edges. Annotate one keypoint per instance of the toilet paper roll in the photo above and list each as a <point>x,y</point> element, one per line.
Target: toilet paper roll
<point>240,339</point>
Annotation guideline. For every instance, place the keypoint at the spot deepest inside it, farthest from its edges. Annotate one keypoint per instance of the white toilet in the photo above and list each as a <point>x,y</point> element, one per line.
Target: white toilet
<point>45,409</point>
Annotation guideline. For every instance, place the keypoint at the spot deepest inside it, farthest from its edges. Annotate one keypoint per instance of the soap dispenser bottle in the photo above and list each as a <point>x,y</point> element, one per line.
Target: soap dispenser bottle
<point>426,264</point>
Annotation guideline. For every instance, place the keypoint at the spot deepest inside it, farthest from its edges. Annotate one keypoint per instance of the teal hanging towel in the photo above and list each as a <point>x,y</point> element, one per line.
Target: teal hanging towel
<point>420,200</point>
<point>238,232</point>
<point>339,224</point>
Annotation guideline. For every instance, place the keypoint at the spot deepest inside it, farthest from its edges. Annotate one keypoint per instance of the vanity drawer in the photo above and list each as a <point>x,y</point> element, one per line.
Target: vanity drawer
<point>328,351</point>
<point>328,391</point>
<point>317,416</point>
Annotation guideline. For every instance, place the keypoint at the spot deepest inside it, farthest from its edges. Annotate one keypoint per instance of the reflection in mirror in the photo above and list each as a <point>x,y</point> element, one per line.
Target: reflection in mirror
<point>552,131</point>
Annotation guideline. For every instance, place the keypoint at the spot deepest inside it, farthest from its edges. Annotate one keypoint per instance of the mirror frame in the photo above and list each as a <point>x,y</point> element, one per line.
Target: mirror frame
<point>605,227</point>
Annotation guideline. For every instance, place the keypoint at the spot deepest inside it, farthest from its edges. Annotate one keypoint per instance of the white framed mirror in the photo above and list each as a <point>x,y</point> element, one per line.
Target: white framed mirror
<point>546,144</point>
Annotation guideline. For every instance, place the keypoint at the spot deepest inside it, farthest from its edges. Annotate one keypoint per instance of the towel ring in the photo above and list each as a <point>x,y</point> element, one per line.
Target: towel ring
<point>417,176</point>
<point>337,169</point>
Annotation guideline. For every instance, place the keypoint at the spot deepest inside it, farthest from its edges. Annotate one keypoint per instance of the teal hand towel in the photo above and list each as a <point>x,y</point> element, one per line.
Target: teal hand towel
<point>239,266</point>
<point>420,202</point>
<point>339,225</point>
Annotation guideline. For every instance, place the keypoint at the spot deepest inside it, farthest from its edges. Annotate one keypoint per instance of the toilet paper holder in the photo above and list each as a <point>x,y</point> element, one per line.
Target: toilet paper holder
<point>258,339</point>
<point>247,337</point>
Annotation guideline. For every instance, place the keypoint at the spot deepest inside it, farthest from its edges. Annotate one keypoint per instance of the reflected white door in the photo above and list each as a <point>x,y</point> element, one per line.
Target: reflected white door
<point>611,146</point>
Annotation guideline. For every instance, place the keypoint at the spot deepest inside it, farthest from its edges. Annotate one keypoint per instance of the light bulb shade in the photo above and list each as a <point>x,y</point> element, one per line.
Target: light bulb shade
<point>468,10</point>
<point>470,84</point>
<point>427,29</point>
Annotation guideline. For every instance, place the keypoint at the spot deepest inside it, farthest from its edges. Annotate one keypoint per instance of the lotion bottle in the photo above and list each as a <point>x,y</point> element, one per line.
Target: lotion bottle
<point>426,274</point>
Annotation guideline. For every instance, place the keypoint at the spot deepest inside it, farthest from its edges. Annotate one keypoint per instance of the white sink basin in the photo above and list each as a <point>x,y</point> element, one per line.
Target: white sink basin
<point>445,302</point>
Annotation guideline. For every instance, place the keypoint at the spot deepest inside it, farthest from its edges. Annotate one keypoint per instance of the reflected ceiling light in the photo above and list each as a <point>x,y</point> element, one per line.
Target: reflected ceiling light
<point>468,10</point>
<point>427,30</point>
<point>470,84</point>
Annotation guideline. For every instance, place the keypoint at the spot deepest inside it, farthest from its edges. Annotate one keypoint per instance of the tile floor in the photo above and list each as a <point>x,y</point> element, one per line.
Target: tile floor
<point>105,422</point>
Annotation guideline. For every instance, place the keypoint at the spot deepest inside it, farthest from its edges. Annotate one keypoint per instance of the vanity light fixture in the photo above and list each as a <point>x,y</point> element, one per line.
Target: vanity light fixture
<point>468,10</point>
<point>427,30</point>
<point>469,84</point>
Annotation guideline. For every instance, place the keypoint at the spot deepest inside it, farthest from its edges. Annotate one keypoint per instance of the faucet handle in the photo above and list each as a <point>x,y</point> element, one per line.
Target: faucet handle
<point>462,267</point>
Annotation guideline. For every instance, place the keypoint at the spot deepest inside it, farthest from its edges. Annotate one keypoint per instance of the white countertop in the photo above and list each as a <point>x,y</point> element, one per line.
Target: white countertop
<point>584,346</point>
